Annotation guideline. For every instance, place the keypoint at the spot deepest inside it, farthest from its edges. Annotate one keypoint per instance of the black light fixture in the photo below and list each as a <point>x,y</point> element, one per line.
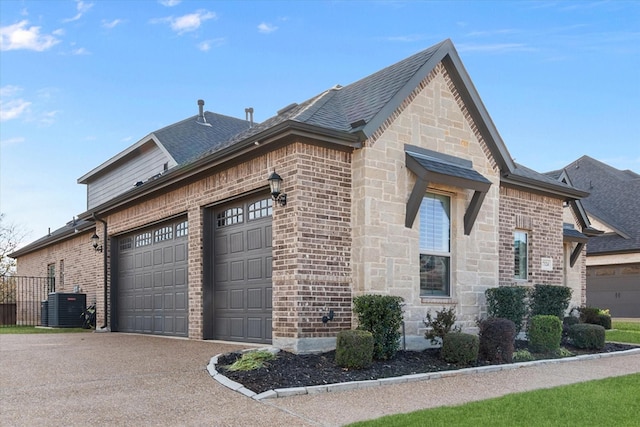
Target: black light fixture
<point>95,240</point>
<point>275,183</point>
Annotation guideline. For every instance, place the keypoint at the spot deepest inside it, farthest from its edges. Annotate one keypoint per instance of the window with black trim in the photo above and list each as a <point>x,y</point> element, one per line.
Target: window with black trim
<point>435,245</point>
<point>520,255</point>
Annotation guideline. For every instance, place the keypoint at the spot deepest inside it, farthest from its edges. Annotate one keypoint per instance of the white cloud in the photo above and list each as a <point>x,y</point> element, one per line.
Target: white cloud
<point>12,141</point>
<point>169,3</point>
<point>82,8</point>
<point>48,118</point>
<point>80,51</point>
<point>495,47</point>
<point>186,23</point>
<point>18,36</point>
<point>13,109</point>
<point>209,44</point>
<point>266,28</point>
<point>111,24</point>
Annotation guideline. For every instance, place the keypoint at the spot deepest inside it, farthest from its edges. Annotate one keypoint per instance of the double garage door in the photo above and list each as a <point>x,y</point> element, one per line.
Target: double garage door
<point>152,286</point>
<point>152,294</point>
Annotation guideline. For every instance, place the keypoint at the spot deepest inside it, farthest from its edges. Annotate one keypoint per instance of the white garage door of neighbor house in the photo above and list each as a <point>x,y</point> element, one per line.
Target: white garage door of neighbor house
<point>151,291</point>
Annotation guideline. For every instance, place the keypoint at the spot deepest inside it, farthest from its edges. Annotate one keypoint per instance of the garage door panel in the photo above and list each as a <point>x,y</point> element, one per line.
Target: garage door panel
<point>152,287</point>
<point>242,271</point>
<point>236,300</point>
<point>254,239</point>
<point>221,299</point>
<point>254,268</point>
<point>236,242</point>
<point>254,298</point>
<point>254,328</point>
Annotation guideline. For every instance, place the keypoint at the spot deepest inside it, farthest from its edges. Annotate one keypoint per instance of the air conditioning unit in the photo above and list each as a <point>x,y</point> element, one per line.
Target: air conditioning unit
<point>65,309</point>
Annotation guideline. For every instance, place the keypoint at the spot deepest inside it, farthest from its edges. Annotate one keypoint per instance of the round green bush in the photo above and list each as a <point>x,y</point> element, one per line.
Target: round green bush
<point>460,348</point>
<point>354,349</point>
<point>586,335</point>
<point>545,333</point>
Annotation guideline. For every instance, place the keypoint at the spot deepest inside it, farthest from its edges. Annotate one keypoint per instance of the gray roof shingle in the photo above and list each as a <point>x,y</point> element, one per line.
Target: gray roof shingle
<point>614,198</point>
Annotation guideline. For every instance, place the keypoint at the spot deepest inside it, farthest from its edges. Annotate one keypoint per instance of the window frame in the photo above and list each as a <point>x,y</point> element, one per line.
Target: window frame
<point>517,261</point>
<point>429,256</point>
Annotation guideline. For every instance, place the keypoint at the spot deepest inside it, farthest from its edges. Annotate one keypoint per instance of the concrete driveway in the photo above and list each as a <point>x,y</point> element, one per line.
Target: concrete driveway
<point>121,380</point>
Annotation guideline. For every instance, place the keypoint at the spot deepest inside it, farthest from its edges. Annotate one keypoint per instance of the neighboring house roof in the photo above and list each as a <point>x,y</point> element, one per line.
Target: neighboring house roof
<point>522,176</point>
<point>63,233</point>
<point>614,200</point>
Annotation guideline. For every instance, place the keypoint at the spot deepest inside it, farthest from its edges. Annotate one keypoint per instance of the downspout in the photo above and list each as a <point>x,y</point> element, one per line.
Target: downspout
<point>104,266</point>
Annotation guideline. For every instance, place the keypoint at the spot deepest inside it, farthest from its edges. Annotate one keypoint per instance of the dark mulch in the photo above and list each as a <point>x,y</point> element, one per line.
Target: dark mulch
<point>292,370</point>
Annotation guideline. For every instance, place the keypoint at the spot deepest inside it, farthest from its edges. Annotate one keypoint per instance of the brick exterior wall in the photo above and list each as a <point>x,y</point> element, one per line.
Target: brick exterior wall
<point>82,266</point>
<point>541,217</point>
<point>385,252</point>
<point>312,240</point>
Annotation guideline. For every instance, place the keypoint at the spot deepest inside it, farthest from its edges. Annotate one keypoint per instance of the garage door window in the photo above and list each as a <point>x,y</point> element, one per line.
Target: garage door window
<point>182,229</point>
<point>143,239</point>
<point>162,234</point>
<point>260,209</point>
<point>229,217</point>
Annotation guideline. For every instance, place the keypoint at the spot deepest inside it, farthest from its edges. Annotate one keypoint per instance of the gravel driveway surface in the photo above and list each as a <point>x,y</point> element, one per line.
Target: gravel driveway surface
<point>136,380</point>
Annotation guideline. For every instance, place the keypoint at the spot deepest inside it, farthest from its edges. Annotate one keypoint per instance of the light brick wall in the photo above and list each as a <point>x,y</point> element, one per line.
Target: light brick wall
<point>385,252</point>
<point>82,266</point>
<point>541,217</point>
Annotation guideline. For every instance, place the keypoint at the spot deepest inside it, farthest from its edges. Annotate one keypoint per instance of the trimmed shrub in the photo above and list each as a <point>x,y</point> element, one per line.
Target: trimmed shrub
<point>589,314</point>
<point>460,348</point>
<point>354,349</point>
<point>508,302</point>
<point>441,325</point>
<point>497,337</point>
<point>545,333</point>
<point>604,320</point>
<point>586,335</point>
<point>382,316</point>
<point>550,300</point>
<point>567,322</point>
<point>523,355</point>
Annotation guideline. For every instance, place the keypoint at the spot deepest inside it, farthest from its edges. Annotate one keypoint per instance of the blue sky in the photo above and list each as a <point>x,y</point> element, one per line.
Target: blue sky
<point>82,80</point>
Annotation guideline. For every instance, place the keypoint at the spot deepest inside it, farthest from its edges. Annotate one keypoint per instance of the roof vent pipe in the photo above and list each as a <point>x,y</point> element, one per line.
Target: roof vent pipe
<point>201,118</point>
<point>249,116</point>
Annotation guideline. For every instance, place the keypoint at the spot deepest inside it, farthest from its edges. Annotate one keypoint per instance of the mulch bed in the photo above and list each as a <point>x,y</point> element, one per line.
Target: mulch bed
<point>292,370</point>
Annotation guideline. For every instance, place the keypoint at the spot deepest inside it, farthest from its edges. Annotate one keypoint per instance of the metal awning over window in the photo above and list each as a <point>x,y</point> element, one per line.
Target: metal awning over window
<point>433,167</point>
<point>571,235</point>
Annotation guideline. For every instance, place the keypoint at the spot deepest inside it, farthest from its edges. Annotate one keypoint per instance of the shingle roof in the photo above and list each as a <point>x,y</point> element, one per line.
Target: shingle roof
<point>614,199</point>
<point>188,138</point>
<point>62,233</point>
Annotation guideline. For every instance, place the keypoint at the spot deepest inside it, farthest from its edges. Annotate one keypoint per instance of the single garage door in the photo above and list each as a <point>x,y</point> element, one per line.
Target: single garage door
<point>615,287</point>
<point>242,271</point>
<point>152,294</point>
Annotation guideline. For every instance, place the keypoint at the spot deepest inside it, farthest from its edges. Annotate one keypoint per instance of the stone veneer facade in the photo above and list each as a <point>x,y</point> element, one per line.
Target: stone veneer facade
<point>385,252</point>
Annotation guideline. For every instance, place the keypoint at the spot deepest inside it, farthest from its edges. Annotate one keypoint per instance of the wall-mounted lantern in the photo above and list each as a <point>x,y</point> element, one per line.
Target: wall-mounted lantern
<point>95,240</point>
<point>275,184</point>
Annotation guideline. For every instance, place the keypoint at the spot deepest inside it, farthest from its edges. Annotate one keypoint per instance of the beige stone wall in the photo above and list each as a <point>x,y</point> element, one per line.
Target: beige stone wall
<point>541,218</point>
<point>82,266</point>
<point>575,277</point>
<point>385,252</point>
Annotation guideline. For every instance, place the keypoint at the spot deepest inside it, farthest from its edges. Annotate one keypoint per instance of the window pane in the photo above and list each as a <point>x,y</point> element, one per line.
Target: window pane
<point>434,275</point>
<point>520,255</point>
<point>434,223</point>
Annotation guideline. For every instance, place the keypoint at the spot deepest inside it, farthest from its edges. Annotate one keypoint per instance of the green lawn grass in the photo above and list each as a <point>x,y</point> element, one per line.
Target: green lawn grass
<point>612,402</point>
<point>626,332</point>
<point>34,330</point>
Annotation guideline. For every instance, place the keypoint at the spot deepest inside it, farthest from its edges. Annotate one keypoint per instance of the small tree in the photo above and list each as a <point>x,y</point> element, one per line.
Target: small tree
<point>441,325</point>
<point>11,236</point>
